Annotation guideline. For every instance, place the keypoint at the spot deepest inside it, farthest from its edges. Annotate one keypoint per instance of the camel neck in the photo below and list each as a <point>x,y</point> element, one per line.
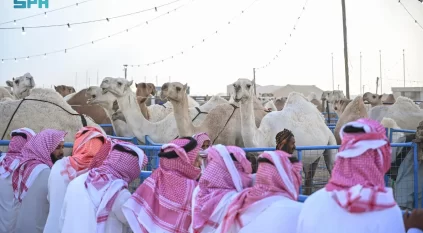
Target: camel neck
<point>183,119</point>
<point>248,125</point>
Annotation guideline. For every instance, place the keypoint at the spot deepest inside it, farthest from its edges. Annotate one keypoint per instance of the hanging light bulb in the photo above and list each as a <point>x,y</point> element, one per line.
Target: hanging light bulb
<point>69,28</point>
<point>27,58</point>
<point>14,22</point>
<point>45,55</point>
<point>16,60</point>
<point>23,31</point>
<point>2,61</point>
<point>45,14</point>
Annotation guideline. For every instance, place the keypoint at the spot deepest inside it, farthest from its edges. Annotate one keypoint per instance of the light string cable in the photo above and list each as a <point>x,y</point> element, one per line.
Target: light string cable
<point>194,45</point>
<point>290,36</point>
<point>91,21</point>
<point>144,23</point>
<point>45,13</point>
<point>415,20</point>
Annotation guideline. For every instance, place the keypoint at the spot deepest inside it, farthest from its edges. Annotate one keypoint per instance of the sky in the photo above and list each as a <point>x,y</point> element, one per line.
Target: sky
<point>251,40</point>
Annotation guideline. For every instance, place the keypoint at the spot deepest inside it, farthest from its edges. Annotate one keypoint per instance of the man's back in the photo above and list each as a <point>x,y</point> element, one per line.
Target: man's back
<point>33,212</point>
<point>321,214</point>
<point>8,210</point>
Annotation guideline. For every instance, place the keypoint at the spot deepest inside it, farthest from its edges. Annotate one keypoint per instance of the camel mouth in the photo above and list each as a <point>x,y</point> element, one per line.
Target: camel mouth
<point>366,102</point>
<point>237,100</point>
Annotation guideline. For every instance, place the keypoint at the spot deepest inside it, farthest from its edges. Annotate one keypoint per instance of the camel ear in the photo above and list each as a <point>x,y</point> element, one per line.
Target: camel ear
<point>130,83</point>
<point>185,86</point>
<point>9,83</point>
<point>55,87</point>
<point>136,85</point>
<point>380,97</point>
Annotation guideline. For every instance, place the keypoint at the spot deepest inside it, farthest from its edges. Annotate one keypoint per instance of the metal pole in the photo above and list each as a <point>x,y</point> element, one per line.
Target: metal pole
<point>169,78</point>
<point>403,63</point>
<point>380,71</point>
<point>254,79</point>
<point>361,74</point>
<point>344,24</point>
<point>333,76</point>
<point>125,69</point>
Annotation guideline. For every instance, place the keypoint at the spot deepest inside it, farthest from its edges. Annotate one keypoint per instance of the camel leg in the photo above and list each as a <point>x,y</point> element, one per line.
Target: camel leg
<point>309,174</point>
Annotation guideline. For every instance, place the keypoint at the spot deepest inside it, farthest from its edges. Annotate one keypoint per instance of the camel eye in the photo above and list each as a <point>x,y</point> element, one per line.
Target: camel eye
<point>248,86</point>
<point>178,89</point>
<point>17,82</point>
<point>93,96</point>
<point>119,84</point>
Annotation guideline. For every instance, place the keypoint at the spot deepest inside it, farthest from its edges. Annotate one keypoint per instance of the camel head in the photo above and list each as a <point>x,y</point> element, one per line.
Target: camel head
<point>243,90</point>
<point>280,103</point>
<point>64,90</point>
<point>21,86</point>
<point>340,105</point>
<point>373,99</point>
<point>174,92</point>
<point>95,95</point>
<point>331,96</point>
<point>117,86</point>
<point>144,90</point>
<point>312,96</point>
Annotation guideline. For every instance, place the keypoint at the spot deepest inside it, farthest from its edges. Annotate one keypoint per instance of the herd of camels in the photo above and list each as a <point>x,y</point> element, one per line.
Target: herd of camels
<point>241,121</point>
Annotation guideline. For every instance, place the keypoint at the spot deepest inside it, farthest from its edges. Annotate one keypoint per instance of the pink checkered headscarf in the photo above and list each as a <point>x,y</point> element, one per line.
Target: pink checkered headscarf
<point>162,203</point>
<point>279,178</point>
<point>104,183</point>
<point>102,154</point>
<point>357,182</point>
<point>12,157</point>
<point>201,138</point>
<point>221,176</point>
<point>35,158</point>
<point>88,142</point>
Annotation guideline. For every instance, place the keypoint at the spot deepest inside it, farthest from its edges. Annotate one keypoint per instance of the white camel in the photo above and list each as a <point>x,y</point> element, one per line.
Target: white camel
<point>21,86</point>
<point>270,105</point>
<point>46,113</point>
<point>353,111</point>
<point>299,115</point>
<point>404,112</point>
<point>106,101</point>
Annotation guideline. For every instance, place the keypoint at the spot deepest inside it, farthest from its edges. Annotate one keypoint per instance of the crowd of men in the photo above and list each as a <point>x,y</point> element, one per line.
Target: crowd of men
<point>197,187</point>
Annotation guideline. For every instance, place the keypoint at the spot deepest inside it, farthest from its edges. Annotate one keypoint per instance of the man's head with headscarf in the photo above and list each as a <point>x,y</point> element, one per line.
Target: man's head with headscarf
<point>285,141</point>
<point>41,150</point>
<point>163,200</point>
<point>203,141</point>
<point>103,184</point>
<point>278,173</point>
<point>19,138</point>
<point>228,169</point>
<point>362,161</point>
<point>88,142</point>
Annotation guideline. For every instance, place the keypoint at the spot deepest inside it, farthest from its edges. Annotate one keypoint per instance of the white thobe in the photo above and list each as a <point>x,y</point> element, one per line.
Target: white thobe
<point>272,214</point>
<point>33,212</point>
<point>57,185</point>
<point>8,206</point>
<point>321,214</point>
<point>79,213</point>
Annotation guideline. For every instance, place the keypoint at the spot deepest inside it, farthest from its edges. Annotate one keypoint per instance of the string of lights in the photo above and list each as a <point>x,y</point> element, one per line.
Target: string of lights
<point>107,19</point>
<point>415,20</point>
<point>182,52</point>
<point>45,13</point>
<point>93,41</point>
<point>290,36</point>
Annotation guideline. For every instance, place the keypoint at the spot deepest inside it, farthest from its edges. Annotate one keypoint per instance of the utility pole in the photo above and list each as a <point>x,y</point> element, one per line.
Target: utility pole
<point>380,71</point>
<point>169,78</point>
<point>361,74</point>
<point>344,24</point>
<point>125,68</point>
<point>333,76</point>
<point>254,81</point>
<point>363,88</point>
<point>377,84</point>
<point>403,63</point>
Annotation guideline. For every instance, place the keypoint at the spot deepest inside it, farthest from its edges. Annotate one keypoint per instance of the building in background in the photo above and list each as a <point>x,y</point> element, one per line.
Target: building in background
<point>414,93</point>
